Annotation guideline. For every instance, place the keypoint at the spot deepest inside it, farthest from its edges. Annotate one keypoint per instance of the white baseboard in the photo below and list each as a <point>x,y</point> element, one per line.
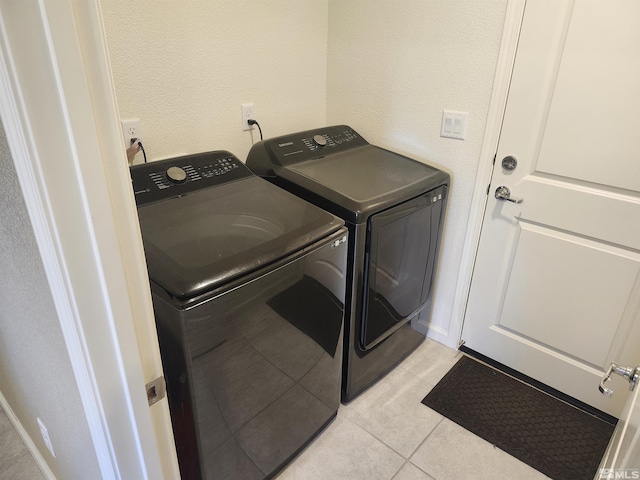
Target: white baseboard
<point>433,332</point>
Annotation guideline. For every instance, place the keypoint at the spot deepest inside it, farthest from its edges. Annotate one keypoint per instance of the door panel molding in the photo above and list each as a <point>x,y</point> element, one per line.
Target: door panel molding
<point>612,271</point>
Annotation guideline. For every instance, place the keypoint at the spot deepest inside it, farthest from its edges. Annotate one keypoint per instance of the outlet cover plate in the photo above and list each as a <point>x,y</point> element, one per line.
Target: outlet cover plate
<point>131,129</point>
<point>45,436</point>
<point>248,112</point>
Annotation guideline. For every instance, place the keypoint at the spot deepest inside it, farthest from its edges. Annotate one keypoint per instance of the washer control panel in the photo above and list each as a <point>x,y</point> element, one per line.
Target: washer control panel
<point>299,147</point>
<point>173,177</point>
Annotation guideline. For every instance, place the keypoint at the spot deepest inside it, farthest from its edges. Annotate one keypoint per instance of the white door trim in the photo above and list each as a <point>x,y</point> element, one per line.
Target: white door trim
<point>506,59</point>
<point>19,137</point>
<point>59,112</point>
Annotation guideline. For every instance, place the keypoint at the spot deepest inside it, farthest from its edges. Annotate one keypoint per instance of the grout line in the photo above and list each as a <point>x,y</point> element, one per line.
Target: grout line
<point>406,460</point>
<point>366,430</point>
<point>355,420</point>
<point>374,435</point>
<point>428,435</point>
<point>422,443</point>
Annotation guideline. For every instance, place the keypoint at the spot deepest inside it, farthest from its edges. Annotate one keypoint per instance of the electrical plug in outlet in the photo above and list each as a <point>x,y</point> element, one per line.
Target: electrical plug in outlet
<point>248,113</point>
<point>130,130</point>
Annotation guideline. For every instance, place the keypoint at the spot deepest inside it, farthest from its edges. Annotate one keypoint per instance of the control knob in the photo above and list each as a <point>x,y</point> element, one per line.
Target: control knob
<point>319,140</point>
<point>176,174</point>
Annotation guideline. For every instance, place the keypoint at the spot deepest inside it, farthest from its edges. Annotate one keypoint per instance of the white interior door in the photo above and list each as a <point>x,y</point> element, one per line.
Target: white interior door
<point>555,292</point>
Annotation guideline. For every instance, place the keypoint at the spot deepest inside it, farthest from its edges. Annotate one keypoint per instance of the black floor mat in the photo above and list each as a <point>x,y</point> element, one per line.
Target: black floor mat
<point>551,436</point>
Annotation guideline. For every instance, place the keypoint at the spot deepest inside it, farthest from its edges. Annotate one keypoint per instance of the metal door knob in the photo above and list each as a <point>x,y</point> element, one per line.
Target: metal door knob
<point>503,193</point>
<point>631,374</point>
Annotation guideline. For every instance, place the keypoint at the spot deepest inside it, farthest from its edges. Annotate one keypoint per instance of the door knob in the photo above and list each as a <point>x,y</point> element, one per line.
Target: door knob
<point>503,193</point>
<point>631,374</point>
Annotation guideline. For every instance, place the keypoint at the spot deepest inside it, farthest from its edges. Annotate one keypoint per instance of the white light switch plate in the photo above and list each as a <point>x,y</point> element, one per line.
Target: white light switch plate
<point>454,124</point>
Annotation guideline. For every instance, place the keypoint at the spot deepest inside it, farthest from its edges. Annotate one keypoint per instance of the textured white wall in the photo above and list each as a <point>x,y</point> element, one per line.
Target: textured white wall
<point>392,68</point>
<point>184,68</point>
<point>388,69</point>
<point>36,378</point>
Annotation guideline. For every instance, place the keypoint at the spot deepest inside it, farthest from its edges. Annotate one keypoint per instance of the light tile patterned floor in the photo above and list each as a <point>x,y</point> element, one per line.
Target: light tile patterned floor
<point>16,462</point>
<point>386,433</point>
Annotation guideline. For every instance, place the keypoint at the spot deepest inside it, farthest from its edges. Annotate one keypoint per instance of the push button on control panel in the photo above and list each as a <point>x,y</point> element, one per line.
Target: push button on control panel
<point>219,167</point>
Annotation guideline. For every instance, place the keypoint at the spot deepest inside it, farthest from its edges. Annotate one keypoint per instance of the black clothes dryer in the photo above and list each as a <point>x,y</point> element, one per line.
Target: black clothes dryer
<point>248,286</point>
<point>394,208</point>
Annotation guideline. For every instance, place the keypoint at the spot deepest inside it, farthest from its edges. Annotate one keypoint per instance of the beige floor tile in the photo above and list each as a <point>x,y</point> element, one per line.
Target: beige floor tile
<point>392,412</point>
<point>11,448</point>
<point>344,452</point>
<point>431,361</point>
<point>5,424</point>
<point>370,436</point>
<point>16,463</point>
<point>23,468</point>
<point>453,453</point>
<point>410,472</point>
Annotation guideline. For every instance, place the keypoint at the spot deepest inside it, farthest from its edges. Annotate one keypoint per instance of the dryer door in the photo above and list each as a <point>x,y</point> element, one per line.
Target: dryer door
<point>402,244</point>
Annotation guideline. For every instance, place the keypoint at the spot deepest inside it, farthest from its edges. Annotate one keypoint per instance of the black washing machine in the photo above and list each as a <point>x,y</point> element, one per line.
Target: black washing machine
<point>248,286</point>
<point>394,208</point>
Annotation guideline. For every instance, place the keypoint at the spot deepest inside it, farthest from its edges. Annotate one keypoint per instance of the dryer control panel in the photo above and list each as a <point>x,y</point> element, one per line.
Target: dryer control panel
<point>312,144</point>
<point>329,138</point>
<point>173,177</point>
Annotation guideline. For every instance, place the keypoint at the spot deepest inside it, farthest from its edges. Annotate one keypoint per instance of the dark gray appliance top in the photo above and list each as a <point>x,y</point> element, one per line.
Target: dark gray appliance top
<point>218,222</point>
<point>341,172</point>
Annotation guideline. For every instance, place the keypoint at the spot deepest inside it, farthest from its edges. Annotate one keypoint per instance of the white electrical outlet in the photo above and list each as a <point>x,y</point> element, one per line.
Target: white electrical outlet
<point>131,129</point>
<point>248,113</point>
<point>45,436</point>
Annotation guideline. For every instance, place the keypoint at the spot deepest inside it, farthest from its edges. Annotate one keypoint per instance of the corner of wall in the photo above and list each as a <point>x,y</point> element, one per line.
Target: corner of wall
<point>391,73</point>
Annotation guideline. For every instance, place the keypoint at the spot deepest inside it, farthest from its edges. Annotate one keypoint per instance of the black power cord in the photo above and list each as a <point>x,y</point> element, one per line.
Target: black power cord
<point>144,154</point>
<point>251,121</point>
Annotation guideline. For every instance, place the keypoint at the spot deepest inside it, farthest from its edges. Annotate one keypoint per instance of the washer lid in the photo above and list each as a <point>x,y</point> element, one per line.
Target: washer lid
<point>200,241</point>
